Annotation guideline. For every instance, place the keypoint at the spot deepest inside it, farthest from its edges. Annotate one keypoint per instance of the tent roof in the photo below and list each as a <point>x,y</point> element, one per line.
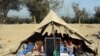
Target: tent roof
<point>53,17</point>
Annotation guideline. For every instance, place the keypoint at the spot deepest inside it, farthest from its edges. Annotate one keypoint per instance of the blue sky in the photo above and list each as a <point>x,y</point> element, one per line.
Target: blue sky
<point>24,13</point>
<point>88,4</point>
<point>66,10</point>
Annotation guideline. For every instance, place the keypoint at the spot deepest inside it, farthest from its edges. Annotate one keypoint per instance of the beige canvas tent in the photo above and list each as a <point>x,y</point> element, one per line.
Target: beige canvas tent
<point>53,22</point>
<point>25,30</point>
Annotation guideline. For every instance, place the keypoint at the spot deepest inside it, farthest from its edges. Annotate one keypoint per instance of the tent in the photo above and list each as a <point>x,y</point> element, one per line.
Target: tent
<point>53,22</point>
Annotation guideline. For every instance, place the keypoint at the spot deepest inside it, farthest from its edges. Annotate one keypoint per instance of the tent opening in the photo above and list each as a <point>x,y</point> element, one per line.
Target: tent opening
<point>38,36</point>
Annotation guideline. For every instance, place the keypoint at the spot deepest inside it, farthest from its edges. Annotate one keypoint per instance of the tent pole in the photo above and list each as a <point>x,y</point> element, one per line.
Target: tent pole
<point>53,32</point>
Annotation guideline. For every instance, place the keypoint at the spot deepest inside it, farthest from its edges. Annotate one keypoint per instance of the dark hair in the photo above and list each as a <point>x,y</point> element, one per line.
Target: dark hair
<point>79,43</point>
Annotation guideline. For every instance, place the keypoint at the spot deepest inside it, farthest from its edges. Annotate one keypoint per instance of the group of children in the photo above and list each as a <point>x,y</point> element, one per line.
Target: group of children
<point>66,46</point>
<point>29,49</point>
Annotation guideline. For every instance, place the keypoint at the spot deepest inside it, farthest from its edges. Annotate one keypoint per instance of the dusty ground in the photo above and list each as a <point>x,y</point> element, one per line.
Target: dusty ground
<point>11,35</point>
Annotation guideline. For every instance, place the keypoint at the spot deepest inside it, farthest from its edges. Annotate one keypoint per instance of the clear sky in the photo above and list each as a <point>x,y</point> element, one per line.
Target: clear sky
<point>88,4</point>
<point>24,13</point>
<point>65,11</point>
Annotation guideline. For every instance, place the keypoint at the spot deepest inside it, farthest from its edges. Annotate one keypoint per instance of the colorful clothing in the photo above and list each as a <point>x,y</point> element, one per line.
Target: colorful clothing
<point>61,48</point>
<point>56,53</point>
<point>30,47</point>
